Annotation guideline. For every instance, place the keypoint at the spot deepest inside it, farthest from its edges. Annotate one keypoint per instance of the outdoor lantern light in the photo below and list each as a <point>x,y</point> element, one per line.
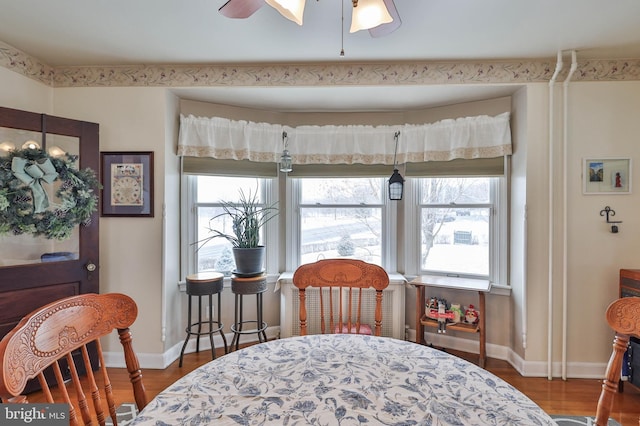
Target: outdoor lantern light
<point>396,181</point>
<point>285,158</point>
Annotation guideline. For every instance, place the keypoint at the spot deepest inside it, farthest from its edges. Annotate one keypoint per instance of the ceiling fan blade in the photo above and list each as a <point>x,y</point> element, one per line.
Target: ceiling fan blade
<point>240,8</point>
<point>386,29</point>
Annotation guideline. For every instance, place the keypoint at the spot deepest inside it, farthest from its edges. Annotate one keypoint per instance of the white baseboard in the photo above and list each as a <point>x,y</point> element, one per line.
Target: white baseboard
<point>575,370</point>
<point>161,361</point>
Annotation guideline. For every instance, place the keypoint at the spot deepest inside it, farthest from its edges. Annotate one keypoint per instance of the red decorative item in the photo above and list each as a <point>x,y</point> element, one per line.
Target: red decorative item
<point>471,315</point>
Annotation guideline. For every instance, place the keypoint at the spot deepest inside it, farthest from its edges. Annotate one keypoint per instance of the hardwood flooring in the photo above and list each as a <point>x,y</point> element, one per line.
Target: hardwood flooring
<point>571,397</point>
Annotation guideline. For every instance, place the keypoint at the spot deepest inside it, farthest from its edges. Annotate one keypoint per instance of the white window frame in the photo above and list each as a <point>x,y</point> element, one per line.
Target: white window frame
<point>498,229</point>
<point>292,232</point>
<point>188,231</point>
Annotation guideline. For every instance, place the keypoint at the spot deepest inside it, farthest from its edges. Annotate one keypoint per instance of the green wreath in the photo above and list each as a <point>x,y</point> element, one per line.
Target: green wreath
<point>24,204</point>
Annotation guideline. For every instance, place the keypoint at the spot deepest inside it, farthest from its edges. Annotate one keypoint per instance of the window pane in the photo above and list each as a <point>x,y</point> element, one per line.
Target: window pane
<point>455,190</point>
<point>213,189</point>
<point>216,254</point>
<point>340,232</point>
<point>455,240</point>
<point>341,191</point>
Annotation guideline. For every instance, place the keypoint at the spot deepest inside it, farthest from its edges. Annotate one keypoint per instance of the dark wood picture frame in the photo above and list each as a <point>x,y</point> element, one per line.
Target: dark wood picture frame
<point>127,184</point>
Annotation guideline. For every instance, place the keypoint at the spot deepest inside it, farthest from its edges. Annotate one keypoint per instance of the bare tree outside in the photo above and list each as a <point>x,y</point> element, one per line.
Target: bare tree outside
<point>341,217</point>
<point>455,224</point>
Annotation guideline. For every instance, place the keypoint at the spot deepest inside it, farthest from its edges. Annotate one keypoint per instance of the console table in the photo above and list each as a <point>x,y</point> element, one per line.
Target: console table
<point>451,283</point>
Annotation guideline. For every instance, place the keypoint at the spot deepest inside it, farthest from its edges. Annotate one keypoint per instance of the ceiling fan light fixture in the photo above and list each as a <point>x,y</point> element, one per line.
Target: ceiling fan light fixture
<point>368,14</point>
<point>293,10</point>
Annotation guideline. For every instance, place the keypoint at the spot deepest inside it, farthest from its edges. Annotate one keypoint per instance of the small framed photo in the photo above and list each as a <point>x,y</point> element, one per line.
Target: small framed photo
<point>127,184</point>
<point>606,176</point>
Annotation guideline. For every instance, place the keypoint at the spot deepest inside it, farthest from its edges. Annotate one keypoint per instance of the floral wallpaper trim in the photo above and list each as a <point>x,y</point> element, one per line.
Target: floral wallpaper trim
<point>24,64</point>
<point>403,73</point>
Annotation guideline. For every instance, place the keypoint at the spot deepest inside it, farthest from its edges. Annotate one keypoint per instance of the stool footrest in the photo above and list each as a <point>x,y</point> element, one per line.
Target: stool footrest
<point>234,327</point>
<point>208,330</point>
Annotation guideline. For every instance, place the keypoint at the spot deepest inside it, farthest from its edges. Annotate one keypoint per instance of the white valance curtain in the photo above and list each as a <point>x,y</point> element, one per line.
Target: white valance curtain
<point>466,138</point>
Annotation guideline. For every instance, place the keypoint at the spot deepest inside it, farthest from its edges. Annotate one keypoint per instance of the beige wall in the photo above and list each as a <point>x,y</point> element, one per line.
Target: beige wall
<point>140,256</point>
<point>19,92</point>
<point>603,122</point>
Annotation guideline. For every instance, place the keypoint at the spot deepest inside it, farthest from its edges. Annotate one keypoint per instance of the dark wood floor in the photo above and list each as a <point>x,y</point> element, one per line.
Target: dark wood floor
<point>571,397</point>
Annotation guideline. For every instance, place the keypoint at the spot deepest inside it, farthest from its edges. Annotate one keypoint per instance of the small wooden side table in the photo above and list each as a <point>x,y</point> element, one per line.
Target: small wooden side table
<point>451,283</point>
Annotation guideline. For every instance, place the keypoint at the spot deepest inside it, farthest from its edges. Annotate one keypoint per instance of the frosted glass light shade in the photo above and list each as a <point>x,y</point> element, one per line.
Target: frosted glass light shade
<point>290,9</point>
<point>368,14</point>
<point>285,162</point>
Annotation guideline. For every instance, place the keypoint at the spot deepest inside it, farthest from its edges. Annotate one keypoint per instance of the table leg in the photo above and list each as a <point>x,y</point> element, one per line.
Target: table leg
<point>482,325</point>
<point>419,312</point>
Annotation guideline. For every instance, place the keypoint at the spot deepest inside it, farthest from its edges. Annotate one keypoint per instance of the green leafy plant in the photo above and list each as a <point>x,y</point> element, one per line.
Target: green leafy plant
<point>247,218</point>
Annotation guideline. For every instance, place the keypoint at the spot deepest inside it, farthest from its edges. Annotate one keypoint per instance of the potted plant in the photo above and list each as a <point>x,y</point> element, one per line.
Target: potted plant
<point>247,219</point>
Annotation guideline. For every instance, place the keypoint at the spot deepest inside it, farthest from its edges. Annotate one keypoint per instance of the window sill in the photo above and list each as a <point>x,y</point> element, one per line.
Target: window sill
<point>463,284</point>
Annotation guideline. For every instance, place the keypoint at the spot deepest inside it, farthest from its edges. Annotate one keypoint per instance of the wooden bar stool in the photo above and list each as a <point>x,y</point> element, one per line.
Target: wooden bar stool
<point>205,284</point>
<point>241,286</point>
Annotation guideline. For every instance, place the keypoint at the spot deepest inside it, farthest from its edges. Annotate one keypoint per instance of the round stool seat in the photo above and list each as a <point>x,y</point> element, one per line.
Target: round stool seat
<point>204,283</point>
<point>253,285</point>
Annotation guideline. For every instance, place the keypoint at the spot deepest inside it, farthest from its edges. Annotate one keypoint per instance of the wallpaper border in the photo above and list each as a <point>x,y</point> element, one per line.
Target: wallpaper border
<point>325,74</point>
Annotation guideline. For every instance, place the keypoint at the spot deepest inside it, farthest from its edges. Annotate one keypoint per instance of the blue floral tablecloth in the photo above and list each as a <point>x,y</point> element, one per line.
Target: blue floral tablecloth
<point>341,380</point>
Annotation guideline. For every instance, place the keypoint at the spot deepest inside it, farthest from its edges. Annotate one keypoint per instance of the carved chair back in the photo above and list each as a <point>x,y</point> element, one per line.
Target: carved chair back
<point>341,284</point>
<point>61,335</point>
<point>623,316</point>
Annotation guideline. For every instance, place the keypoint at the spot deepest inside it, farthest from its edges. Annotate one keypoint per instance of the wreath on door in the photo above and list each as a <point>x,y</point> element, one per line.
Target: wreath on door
<point>27,176</point>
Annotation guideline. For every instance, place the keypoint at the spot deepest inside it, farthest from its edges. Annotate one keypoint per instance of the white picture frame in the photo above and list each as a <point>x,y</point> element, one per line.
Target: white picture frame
<point>606,176</point>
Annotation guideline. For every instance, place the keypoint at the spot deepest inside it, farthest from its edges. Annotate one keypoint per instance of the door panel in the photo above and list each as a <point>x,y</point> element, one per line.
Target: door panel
<point>27,285</point>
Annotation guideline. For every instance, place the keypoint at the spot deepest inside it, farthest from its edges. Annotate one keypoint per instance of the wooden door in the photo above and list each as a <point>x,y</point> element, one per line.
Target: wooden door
<point>42,272</point>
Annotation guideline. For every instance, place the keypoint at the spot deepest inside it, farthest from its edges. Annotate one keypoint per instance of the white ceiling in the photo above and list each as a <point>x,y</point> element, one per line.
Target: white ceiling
<point>125,32</point>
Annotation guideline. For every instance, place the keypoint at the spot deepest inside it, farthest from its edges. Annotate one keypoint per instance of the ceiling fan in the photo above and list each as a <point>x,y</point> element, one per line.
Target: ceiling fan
<point>380,17</point>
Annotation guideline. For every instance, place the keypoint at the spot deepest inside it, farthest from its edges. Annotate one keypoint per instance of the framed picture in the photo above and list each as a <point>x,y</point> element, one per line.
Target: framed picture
<point>127,183</point>
<point>607,176</point>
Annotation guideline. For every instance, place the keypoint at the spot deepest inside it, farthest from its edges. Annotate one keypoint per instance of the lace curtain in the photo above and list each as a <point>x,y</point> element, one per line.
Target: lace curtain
<point>466,138</point>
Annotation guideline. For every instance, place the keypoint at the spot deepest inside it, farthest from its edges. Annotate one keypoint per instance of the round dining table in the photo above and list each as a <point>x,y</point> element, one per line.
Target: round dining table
<point>341,379</point>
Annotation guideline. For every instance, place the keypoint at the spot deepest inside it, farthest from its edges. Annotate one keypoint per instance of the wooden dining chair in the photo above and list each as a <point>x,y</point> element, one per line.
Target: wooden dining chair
<point>61,335</point>
<point>341,284</point>
<point>623,316</point>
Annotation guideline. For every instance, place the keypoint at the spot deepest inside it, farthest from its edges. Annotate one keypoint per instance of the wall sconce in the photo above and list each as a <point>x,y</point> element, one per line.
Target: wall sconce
<point>609,211</point>
<point>285,158</point>
<point>396,181</point>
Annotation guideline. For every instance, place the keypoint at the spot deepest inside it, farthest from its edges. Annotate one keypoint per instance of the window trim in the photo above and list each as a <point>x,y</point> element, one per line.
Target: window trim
<point>498,247</point>
<point>388,217</point>
<point>188,231</point>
